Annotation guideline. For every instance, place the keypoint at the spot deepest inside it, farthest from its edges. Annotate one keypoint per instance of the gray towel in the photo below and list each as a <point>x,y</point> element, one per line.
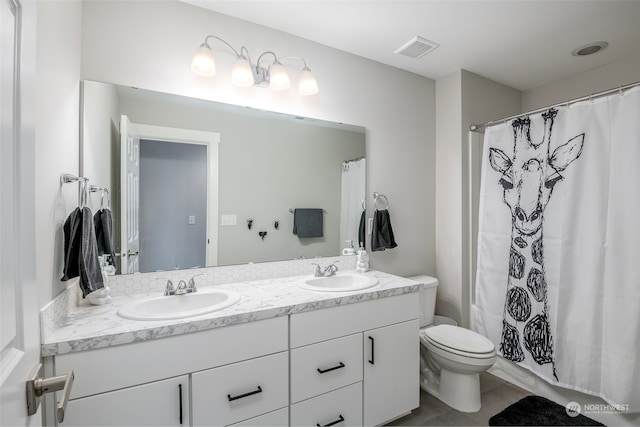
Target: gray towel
<point>307,222</point>
<point>104,229</point>
<point>81,251</point>
<point>382,233</point>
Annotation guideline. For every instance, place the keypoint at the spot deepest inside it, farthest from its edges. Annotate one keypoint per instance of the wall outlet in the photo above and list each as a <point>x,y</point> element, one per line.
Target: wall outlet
<point>228,219</point>
<point>192,219</point>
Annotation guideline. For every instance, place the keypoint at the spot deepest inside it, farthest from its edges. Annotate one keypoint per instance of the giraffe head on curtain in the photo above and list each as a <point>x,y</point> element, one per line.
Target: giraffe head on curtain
<point>529,176</point>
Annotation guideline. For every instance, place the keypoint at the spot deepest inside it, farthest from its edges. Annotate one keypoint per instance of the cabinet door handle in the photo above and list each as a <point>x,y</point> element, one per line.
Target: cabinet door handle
<point>240,396</point>
<point>372,351</point>
<point>180,400</point>
<point>322,371</point>
<point>339,420</point>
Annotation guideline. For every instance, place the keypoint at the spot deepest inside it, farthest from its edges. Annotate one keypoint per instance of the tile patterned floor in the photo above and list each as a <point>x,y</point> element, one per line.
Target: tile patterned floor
<point>497,394</point>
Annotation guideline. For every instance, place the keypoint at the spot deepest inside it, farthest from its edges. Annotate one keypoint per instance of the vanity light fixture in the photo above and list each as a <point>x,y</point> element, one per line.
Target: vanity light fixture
<point>246,74</point>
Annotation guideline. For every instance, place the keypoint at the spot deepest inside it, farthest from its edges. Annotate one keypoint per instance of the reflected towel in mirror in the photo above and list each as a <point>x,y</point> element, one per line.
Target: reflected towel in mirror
<point>308,222</point>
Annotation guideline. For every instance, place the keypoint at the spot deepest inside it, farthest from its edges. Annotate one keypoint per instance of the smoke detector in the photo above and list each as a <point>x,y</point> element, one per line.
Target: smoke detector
<point>417,47</point>
<point>589,49</point>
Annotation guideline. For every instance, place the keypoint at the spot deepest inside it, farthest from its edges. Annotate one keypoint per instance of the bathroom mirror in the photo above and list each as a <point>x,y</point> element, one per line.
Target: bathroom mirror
<point>217,183</point>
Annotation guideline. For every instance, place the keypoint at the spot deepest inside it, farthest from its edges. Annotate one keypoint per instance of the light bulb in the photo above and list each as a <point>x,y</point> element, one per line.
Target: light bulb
<point>307,84</point>
<point>278,77</point>
<point>242,74</point>
<point>203,63</point>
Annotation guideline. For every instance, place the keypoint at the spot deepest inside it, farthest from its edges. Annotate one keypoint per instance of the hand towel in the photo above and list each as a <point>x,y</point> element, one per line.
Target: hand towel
<point>104,230</point>
<point>361,230</point>
<point>81,251</point>
<point>308,222</point>
<point>382,234</point>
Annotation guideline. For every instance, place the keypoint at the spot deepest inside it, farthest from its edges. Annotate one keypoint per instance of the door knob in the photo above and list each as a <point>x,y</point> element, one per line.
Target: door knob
<point>37,386</point>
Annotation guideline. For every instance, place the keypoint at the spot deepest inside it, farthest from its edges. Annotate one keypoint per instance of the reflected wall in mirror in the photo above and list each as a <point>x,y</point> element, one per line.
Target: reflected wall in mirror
<point>207,169</point>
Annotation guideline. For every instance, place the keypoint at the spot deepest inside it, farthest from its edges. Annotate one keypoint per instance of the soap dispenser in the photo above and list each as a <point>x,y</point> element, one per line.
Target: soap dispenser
<point>362,261</point>
<point>349,250</point>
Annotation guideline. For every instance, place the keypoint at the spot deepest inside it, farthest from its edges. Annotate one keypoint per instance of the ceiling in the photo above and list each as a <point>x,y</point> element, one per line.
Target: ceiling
<point>521,43</point>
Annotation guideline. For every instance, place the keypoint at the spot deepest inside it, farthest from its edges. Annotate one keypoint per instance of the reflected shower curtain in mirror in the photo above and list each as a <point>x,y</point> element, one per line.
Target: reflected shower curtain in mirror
<point>353,194</point>
<point>558,277</point>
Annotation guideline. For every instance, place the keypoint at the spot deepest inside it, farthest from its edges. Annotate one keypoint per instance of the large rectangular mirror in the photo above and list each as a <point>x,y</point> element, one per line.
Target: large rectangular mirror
<point>211,184</point>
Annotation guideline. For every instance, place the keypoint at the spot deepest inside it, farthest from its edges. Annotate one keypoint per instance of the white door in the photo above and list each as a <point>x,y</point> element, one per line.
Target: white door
<point>19,328</point>
<point>129,197</point>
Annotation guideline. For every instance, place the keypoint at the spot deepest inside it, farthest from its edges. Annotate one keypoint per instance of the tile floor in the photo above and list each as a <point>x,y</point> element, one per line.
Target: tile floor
<point>497,394</point>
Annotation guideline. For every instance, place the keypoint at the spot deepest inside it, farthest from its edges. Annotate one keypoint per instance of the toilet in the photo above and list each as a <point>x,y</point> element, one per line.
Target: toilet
<point>451,357</point>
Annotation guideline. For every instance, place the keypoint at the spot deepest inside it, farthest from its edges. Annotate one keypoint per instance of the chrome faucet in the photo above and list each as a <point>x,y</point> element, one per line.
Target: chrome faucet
<point>329,270</point>
<point>182,288</point>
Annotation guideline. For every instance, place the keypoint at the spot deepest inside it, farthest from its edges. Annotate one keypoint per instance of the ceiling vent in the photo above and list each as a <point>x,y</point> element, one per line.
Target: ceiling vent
<point>417,47</point>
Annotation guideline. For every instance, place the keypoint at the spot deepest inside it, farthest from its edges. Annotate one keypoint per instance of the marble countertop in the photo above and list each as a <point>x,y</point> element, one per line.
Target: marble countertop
<point>92,327</point>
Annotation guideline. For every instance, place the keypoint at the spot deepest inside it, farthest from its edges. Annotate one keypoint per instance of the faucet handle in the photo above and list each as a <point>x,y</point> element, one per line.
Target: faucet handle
<point>192,283</point>
<point>169,289</point>
<point>318,272</point>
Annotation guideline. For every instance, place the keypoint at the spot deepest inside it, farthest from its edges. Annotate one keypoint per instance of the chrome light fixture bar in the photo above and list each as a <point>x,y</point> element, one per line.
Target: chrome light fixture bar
<point>246,74</point>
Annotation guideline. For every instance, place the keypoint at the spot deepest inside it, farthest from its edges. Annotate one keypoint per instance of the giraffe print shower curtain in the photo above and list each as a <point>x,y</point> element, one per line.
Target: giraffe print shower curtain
<point>558,276</point>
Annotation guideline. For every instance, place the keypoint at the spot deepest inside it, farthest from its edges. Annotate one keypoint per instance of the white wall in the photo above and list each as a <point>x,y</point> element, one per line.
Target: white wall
<point>56,134</point>
<point>599,79</point>
<point>150,45</point>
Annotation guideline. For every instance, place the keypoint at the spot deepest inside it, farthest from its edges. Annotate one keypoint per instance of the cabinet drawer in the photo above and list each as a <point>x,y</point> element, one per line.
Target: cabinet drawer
<point>321,325</point>
<point>343,405</point>
<point>240,391</point>
<point>277,418</point>
<point>326,366</point>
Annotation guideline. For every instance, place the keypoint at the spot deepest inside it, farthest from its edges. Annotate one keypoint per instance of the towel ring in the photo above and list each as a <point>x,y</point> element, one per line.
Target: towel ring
<point>377,196</point>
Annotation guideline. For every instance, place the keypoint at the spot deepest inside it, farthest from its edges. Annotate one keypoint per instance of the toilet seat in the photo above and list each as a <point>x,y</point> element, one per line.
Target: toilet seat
<point>457,340</point>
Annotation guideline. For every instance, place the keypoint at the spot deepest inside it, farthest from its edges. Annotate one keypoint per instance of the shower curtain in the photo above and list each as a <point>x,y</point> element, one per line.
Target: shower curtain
<point>558,276</point>
<point>353,194</point>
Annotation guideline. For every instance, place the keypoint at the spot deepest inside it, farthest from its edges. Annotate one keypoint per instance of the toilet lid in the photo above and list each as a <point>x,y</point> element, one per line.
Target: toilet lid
<point>460,339</point>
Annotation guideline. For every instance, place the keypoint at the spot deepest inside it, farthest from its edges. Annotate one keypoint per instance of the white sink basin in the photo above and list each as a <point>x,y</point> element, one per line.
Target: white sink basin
<point>178,306</point>
<point>341,282</point>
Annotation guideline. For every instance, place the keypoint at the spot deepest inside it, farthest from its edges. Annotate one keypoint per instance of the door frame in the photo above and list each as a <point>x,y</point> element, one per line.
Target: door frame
<point>212,141</point>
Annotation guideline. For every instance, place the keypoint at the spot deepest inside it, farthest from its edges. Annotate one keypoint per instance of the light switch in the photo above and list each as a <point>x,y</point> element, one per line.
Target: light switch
<point>228,219</point>
<point>192,219</point>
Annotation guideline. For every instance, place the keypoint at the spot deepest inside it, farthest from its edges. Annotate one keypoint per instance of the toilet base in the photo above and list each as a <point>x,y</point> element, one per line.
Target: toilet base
<point>459,391</point>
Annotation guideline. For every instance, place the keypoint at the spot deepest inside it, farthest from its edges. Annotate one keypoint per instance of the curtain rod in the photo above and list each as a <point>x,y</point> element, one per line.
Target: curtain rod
<point>560,104</point>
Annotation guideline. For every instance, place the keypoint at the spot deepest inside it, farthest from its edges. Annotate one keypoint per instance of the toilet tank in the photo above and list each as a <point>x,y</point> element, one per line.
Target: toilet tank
<point>427,298</point>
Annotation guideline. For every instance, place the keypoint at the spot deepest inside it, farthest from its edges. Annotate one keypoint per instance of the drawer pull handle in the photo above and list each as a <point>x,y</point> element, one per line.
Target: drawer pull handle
<point>240,396</point>
<point>372,352</point>
<point>339,420</point>
<point>322,371</point>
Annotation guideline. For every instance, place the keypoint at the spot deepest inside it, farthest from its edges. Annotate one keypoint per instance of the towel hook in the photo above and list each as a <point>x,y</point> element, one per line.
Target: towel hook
<point>377,196</point>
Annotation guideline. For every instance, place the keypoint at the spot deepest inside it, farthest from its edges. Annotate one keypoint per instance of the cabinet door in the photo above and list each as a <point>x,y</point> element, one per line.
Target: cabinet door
<point>161,403</point>
<point>391,371</point>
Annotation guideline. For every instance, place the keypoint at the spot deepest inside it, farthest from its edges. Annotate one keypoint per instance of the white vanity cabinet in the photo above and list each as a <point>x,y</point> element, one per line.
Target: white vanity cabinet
<point>379,339</point>
<point>114,385</point>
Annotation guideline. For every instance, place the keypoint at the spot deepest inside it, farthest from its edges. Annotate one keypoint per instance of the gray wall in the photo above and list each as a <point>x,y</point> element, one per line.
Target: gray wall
<point>173,186</point>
